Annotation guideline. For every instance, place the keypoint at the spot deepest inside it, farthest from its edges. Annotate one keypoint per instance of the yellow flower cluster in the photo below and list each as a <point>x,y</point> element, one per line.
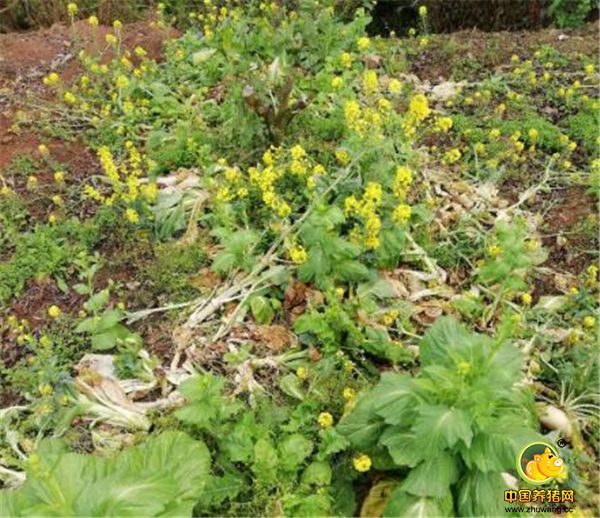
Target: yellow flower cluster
<point>267,180</point>
<point>366,210</point>
<point>419,107</point>
<point>298,254</point>
<point>125,181</point>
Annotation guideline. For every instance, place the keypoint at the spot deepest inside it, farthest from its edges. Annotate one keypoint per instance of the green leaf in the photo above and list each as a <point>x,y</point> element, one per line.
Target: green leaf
<point>479,494</point>
<point>489,452</point>
<point>394,397</point>
<point>432,477</point>
<point>379,288</point>
<point>291,385</point>
<point>403,504</point>
<point>444,341</point>
<point>163,476</point>
<point>262,310</point>
<point>317,473</point>
<point>98,301</point>
<point>104,341</point>
<point>440,426</point>
<point>219,489</point>
<point>351,271</point>
<point>402,446</point>
<point>362,426</point>
<point>265,460</point>
<point>293,451</point>
<point>331,442</point>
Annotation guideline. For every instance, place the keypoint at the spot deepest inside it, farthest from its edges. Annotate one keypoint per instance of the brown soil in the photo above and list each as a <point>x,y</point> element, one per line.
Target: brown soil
<point>481,52</point>
<point>567,216</point>
<point>25,58</point>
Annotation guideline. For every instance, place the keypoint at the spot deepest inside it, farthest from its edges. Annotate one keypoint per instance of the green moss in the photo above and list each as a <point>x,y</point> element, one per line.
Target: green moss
<point>169,272</point>
<point>583,127</point>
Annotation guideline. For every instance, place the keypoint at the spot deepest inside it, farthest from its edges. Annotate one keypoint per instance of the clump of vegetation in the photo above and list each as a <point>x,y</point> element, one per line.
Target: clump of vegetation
<point>296,274</point>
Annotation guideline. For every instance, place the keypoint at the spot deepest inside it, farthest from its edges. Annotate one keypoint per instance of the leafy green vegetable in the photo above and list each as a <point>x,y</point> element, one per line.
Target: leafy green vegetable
<point>164,476</point>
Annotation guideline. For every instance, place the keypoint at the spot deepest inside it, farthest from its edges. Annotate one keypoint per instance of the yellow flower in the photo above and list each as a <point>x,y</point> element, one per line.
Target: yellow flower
<point>297,152</point>
<point>57,200</point>
<point>337,82</point>
<point>589,69</point>
<point>342,156</point>
<point>72,8</point>
<point>349,393</point>
<point>70,98</point>
<point>298,254</point>
<point>31,182</point>
<point>533,134</point>
<point>589,322</point>
<point>444,123</point>
<point>373,192</point>
<point>363,43</point>
<point>93,21</point>
<point>451,156</point>
<point>494,250</point>
<point>54,311</point>
<point>111,39</point>
<point>325,420</point>
<point>370,82</point>
<point>52,218</point>
<point>362,463</point>
<point>422,11</point>
<point>419,107</point>
<point>526,299</point>
<point>394,87</point>
<point>45,389</point>
<point>319,170</point>
<point>43,150</point>
<point>59,176</point>
<point>346,59</point>
<point>479,148</point>
<point>122,82</point>
<point>140,52</point>
<point>302,373</point>
<point>494,134</point>
<point>402,213</point>
<point>51,79</point>
<point>117,24</point>
<point>132,216</point>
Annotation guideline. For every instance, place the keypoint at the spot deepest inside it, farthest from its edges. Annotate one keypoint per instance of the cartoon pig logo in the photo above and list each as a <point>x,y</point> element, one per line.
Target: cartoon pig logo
<point>544,466</point>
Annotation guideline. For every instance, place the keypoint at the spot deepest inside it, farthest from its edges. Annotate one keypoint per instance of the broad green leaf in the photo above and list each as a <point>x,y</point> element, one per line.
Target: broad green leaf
<point>394,397</point>
<point>432,477</point>
<point>292,386</point>
<point>402,446</point>
<point>265,460</point>
<point>163,476</point>
<point>362,426</point>
<point>446,343</point>
<point>351,271</point>
<point>405,505</point>
<point>489,452</point>
<point>443,426</point>
<point>317,473</point>
<point>97,301</point>
<point>480,494</point>
<point>262,310</point>
<point>293,450</point>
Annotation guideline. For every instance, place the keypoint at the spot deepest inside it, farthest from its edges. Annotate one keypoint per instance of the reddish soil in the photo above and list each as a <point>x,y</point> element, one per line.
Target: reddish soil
<point>25,58</point>
<point>480,52</point>
<point>568,216</point>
